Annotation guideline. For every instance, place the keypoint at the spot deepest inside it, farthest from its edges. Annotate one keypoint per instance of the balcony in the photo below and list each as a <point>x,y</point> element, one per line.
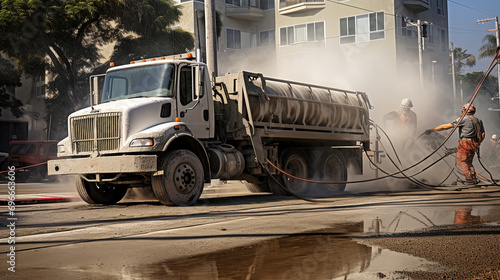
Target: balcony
<point>244,9</point>
<point>293,6</point>
<point>246,13</point>
<point>417,5</point>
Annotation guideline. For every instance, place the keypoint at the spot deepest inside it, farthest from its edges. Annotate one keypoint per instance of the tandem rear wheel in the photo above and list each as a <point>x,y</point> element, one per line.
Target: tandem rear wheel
<point>325,165</point>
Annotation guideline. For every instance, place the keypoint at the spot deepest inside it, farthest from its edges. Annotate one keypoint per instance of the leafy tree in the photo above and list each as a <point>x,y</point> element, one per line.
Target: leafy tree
<point>462,59</point>
<point>65,38</point>
<point>171,42</point>
<point>9,77</point>
<point>489,47</point>
<point>484,99</point>
<point>471,80</point>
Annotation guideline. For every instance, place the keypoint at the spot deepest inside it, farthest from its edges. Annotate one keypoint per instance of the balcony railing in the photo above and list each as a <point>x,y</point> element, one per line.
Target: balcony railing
<point>244,9</point>
<point>417,5</point>
<point>288,3</point>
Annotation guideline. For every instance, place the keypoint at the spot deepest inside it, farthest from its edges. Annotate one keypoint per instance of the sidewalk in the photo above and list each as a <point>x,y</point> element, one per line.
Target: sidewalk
<point>211,190</point>
<point>39,198</point>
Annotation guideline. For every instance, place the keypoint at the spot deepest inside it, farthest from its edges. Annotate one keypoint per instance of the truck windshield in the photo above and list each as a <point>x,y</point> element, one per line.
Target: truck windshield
<point>142,81</point>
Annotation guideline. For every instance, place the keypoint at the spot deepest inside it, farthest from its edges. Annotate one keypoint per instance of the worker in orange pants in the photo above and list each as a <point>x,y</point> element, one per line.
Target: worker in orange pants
<point>471,132</point>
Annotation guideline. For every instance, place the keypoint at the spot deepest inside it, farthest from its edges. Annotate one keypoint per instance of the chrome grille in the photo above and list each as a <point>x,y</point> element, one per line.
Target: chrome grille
<point>101,131</point>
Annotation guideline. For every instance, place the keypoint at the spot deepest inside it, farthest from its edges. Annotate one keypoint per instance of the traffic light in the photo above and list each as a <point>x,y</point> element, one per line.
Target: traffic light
<point>424,30</point>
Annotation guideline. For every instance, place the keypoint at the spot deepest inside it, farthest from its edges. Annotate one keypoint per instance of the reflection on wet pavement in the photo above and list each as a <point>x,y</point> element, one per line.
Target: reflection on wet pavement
<point>463,216</point>
<point>325,254</point>
<point>418,219</point>
<point>328,254</point>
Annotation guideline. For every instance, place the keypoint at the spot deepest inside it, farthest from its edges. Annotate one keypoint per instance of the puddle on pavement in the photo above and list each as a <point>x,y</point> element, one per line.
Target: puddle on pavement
<point>328,254</point>
<point>325,254</point>
<point>416,219</point>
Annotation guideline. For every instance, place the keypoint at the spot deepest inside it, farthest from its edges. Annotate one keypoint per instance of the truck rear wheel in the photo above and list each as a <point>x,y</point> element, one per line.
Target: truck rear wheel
<point>293,163</point>
<point>333,168</point>
<point>99,193</point>
<point>182,180</point>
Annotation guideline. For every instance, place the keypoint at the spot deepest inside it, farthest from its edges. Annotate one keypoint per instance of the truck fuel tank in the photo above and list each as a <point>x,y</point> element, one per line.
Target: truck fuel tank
<point>226,162</point>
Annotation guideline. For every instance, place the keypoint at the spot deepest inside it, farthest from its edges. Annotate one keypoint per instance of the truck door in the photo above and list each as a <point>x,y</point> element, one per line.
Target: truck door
<point>192,102</point>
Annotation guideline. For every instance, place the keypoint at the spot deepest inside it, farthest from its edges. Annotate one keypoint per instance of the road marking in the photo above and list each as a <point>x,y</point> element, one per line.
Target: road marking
<point>103,230</point>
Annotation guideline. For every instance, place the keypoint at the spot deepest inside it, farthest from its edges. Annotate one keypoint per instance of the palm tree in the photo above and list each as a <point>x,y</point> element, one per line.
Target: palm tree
<point>489,47</point>
<point>462,59</point>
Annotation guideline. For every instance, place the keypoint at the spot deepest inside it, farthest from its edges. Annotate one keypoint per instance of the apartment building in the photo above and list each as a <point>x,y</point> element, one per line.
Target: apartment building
<point>355,43</point>
<point>32,125</point>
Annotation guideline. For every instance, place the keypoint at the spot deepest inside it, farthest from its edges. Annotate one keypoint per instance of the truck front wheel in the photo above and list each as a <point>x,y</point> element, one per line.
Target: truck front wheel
<point>99,193</point>
<point>182,180</point>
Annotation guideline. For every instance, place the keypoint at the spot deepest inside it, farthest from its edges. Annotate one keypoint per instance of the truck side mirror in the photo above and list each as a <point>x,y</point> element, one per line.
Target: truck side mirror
<point>201,81</point>
<point>96,88</point>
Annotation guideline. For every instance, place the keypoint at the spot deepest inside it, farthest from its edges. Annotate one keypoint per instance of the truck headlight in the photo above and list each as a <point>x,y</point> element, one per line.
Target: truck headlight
<point>141,142</point>
<point>60,149</point>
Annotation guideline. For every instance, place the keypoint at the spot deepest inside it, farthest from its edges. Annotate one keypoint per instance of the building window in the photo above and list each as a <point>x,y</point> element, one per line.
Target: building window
<point>238,39</point>
<point>362,28</point>
<point>442,39</point>
<point>440,7</point>
<point>377,26</point>
<point>244,3</point>
<point>267,4</point>
<point>266,38</point>
<point>185,1</point>
<point>40,91</point>
<point>430,33</point>
<point>308,32</point>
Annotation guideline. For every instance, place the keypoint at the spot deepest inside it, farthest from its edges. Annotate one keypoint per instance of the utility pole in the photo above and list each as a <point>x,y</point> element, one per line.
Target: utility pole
<point>497,27</point>
<point>453,74</point>
<point>434,72</point>
<point>420,54</point>
<point>210,35</point>
<point>420,49</point>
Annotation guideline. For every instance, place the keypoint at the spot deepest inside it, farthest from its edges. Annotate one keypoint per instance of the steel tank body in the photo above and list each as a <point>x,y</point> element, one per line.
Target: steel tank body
<point>301,104</point>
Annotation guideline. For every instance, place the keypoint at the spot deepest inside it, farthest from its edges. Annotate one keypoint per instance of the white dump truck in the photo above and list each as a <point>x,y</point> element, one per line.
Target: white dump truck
<point>163,124</point>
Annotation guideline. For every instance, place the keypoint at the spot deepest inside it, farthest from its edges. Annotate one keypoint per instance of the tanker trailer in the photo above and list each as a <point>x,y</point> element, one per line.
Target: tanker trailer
<point>308,131</point>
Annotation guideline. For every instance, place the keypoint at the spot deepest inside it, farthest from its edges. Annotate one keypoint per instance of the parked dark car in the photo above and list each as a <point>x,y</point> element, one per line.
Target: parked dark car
<point>23,153</point>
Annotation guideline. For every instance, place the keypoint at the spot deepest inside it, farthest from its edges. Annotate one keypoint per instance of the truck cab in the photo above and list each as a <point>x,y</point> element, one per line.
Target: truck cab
<point>142,110</point>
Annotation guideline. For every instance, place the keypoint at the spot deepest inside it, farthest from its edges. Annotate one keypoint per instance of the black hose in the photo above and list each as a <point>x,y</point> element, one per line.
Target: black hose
<point>491,176</point>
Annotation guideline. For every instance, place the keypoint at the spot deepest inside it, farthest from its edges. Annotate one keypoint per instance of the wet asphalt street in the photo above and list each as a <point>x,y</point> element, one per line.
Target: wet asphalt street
<point>234,234</point>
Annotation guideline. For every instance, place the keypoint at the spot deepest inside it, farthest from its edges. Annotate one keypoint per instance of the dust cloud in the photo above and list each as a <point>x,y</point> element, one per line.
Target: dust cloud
<point>387,82</point>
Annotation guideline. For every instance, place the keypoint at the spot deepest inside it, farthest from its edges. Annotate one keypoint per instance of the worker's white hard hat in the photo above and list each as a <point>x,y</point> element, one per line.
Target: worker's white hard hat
<point>406,103</point>
<point>494,137</point>
<point>472,108</point>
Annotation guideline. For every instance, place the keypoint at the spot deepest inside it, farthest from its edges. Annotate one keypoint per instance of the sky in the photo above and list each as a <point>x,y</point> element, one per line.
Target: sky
<point>466,33</point>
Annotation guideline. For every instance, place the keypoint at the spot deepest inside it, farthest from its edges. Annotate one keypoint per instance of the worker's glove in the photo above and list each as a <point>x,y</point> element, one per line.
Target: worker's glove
<point>427,131</point>
<point>450,151</point>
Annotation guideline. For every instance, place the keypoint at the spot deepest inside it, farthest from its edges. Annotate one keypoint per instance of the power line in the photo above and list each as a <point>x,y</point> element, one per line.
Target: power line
<point>474,9</point>
<point>386,13</point>
<point>470,30</point>
<point>454,30</point>
<point>359,8</point>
